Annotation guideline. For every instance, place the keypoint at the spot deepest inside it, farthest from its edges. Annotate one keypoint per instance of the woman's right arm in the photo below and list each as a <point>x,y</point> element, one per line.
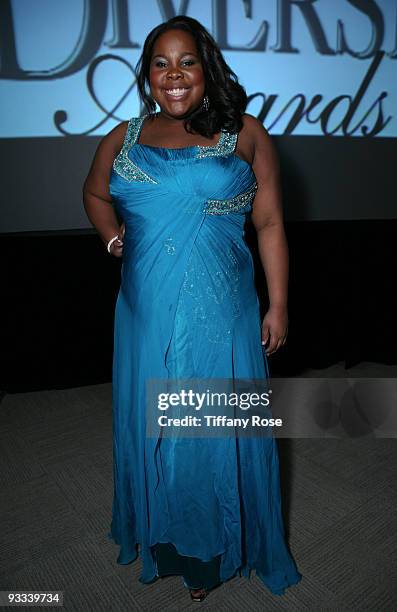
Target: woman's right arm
<point>96,194</point>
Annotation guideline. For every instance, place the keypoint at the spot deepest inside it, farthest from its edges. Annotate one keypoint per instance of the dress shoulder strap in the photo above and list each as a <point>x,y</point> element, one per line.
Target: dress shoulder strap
<point>225,146</point>
<point>122,164</point>
<point>132,132</point>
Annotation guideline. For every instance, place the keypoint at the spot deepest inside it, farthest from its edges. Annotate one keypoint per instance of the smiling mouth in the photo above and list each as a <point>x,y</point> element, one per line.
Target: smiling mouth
<point>176,92</point>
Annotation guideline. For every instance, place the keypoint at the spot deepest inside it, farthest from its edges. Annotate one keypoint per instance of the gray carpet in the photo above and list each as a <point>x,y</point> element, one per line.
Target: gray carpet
<point>339,502</point>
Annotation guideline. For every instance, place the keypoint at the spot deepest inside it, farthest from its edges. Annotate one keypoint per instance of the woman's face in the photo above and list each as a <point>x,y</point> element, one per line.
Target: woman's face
<point>176,74</point>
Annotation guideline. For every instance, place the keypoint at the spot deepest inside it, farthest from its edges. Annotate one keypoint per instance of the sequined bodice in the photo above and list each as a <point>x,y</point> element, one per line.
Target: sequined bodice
<point>187,315</point>
<point>136,166</point>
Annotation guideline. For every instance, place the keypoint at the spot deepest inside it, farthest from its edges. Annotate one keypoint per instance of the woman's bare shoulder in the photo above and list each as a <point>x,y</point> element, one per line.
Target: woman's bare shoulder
<point>254,128</point>
<point>107,150</point>
<point>115,138</point>
<point>248,137</point>
<point>264,152</point>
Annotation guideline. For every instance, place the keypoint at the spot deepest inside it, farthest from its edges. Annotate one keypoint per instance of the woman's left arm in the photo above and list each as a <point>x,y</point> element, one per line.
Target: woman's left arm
<point>267,217</point>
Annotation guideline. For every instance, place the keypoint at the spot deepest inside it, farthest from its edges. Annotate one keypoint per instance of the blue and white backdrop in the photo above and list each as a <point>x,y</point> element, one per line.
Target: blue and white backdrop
<point>311,68</point>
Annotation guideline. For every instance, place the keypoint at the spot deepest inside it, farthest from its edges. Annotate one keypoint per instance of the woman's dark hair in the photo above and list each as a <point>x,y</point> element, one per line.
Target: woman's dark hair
<point>227,97</point>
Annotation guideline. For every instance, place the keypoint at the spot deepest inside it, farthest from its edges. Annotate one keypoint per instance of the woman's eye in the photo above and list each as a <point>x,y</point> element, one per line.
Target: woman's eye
<point>160,64</point>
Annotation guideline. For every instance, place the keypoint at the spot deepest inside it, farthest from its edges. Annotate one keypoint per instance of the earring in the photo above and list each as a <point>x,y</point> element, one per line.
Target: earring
<point>206,103</point>
<point>155,111</point>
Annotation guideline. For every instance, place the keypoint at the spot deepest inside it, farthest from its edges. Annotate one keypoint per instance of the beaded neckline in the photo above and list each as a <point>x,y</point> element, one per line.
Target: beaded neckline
<point>125,166</point>
<point>142,144</point>
<point>225,145</point>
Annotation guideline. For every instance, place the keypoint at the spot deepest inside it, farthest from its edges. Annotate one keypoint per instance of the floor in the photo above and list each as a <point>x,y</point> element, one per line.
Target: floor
<point>339,502</point>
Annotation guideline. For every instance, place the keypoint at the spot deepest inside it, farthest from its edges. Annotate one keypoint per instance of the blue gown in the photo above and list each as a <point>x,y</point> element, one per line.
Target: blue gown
<point>187,307</point>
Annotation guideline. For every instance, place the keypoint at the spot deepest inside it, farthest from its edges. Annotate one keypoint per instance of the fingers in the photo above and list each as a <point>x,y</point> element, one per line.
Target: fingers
<point>275,343</point>
<point>266,337</point>
<point>265,333</point>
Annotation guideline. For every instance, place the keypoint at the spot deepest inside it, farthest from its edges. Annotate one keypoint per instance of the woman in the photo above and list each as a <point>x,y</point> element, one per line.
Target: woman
<point>182,181</point>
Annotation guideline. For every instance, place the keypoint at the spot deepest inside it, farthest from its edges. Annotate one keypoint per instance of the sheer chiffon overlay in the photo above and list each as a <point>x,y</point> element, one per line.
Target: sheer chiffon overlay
<point>187,308</point>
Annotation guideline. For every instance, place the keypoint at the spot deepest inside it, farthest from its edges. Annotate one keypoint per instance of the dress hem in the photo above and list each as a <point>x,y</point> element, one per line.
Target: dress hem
<point>289,578</point>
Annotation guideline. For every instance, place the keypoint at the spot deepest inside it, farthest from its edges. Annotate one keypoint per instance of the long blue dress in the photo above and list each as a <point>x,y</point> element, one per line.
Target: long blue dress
<point>187,307</point>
